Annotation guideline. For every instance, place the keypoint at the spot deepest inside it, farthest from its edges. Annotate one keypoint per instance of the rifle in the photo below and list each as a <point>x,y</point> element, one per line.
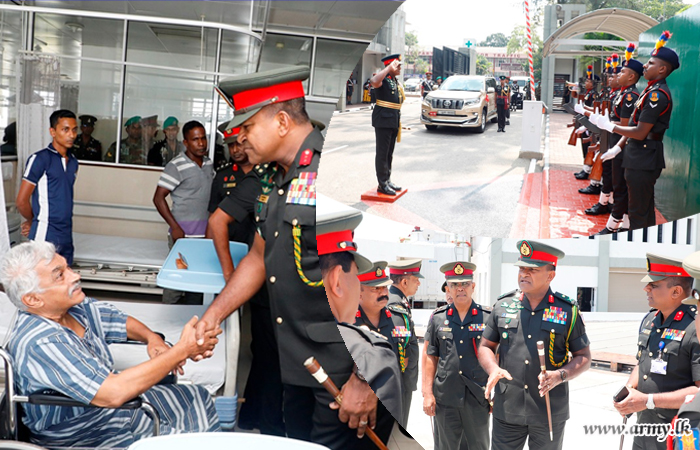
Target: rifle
<point>574,123</point>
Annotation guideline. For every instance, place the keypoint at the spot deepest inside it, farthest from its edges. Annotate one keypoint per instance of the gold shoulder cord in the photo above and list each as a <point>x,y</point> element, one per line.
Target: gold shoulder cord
<point>296,233</point>
<point>574,313</point>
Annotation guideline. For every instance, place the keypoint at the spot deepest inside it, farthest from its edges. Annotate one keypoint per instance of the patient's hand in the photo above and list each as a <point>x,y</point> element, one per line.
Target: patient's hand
<point>201,329</point>
<point>198,348</point>
<point>157,346</point>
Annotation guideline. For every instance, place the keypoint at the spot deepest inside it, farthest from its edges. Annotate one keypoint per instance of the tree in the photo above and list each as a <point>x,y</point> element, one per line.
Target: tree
<point>518,43</point>
<point>411,41</point>
<point>483,66</point>
<point>495,40</point>
<point>659,10</point>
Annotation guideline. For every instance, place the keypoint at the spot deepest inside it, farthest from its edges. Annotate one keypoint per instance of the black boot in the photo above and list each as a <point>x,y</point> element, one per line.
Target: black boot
<point>590,190</point>
<point>598,209</point>
<point>385,189</point>
<point>582,175</point>
<point>393,186</point>
<point>605,231</point>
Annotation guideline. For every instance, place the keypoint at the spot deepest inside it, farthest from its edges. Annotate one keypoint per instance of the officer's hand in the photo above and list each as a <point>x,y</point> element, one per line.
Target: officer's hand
<point>580,130</point>
<point>429,404</point>
<point>200,333</point>
<point>493,379</point>
<point>610,154</point>
<point>359,407</point>
<point>604,123</point>
<point>26,227</point>
<point>579,108</point>
<point>634,402</point>
<point>395,66</point>
<point>177,233</point>
<point>548,381</point>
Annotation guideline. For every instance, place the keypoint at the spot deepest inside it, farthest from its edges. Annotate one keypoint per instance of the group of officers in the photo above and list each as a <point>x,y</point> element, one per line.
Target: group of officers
<point>479,361</point>
<point>621,133</point>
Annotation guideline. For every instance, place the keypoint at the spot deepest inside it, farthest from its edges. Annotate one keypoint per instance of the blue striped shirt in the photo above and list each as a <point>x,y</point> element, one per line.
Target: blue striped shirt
<point>49,356</point>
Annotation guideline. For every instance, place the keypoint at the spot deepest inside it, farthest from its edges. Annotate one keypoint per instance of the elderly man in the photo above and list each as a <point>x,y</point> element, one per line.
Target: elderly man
<point>668,367</point>
<point>60,342</point>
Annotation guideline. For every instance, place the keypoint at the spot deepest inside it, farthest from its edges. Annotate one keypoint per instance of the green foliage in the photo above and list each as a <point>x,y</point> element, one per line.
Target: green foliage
<point>483,66</point>
<point>518,43</point>
<point>657,9</point>
<point>495,40</point>
<point>412,49</point>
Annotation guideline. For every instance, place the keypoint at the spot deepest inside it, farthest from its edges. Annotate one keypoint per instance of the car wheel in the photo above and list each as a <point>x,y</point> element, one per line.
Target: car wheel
<point>482,128</point>
<point>431,127</point>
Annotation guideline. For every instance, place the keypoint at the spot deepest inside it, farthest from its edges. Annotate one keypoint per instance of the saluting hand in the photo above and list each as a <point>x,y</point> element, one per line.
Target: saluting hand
<point>493,379</point>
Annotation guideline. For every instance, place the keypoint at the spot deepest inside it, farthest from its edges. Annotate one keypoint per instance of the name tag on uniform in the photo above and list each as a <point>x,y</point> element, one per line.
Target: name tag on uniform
<point>658,366</point>
<point>446,329</point>
<point>676,335</point>
<point>509,315</point>
<point>646,331</point>
<point>477,327</point>
<point>230,185</point>
<point>400,332</point>
<point>555,315</point>
<point>302,190</point>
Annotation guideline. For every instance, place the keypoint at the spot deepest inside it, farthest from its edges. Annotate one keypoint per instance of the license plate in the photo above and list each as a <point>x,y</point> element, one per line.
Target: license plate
<point>444,112</point>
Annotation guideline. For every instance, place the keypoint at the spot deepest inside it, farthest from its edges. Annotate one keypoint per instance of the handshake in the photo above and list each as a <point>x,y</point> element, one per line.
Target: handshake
<point>601,121</point>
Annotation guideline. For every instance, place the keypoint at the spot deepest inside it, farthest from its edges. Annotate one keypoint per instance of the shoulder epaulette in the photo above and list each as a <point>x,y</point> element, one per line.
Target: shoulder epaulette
<point>567,299</point>
<point>395,307</point>
<point>693,311</point>
<point>508,294</point>
<point>369,334</point>
<point>487,309</point>
<point>224,166</point>
<point>439,310</point>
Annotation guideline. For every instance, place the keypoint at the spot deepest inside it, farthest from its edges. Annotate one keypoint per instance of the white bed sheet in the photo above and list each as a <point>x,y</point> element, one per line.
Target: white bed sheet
<point>119,250</point>
<point>166,319</point>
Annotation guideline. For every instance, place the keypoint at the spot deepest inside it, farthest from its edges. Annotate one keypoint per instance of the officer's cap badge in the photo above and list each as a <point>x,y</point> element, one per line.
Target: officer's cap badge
<point>379,272</point>
<point>526,249</point>
<point>459,269</point>
<point>648,265</point>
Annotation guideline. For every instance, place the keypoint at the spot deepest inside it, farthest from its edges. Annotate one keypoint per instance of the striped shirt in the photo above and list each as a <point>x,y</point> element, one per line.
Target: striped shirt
<point>49,356</point>
<point>190,188</point>
<point>52,199</point>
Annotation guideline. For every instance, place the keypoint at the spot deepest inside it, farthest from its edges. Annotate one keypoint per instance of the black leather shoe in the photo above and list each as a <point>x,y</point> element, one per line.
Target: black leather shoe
<point>507,122</point>
<point>582,175</point>
<point>590,190</point>
<point>605,231</point>
<point>394,187</point>
<point>386,190</point>
<point>598,209</point>
<point>503,130</point>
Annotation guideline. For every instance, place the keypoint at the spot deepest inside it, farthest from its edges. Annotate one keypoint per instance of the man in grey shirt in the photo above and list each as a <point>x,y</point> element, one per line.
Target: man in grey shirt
<point>187,178</point>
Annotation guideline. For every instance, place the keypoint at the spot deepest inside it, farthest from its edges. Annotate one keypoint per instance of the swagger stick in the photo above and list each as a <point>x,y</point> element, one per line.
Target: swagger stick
<point>315,369</point>
<point>543,366</point>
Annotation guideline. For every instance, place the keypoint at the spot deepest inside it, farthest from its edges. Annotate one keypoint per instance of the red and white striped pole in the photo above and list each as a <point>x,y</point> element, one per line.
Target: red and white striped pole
<point>529,51</point>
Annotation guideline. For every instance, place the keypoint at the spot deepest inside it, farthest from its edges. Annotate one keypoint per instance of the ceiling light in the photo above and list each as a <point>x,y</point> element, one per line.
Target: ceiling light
<point>279,45</point>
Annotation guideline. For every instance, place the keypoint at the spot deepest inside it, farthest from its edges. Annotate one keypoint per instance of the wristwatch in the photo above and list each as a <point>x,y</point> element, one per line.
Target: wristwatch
<point>650,402</point>
<point>563,375</point>
<point>358,374</point>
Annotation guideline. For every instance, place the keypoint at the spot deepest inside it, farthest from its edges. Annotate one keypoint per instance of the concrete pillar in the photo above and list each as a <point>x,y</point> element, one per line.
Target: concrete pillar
<point>496,250</point>
<point>601,300</point>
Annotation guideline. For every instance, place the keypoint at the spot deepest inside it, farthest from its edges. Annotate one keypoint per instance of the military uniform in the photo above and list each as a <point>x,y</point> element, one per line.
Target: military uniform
<point>623,105</point>
<point>399,303</point>
<point>426,86</point>
<point>286,217</point>
<point>161,153</point>
<point>461,411</point>
<point>518,409</point>
<point>226,180</point>
<point>502,96</point>
<point>92,149</point>
<point>386,120</point>
<point>668,351</point>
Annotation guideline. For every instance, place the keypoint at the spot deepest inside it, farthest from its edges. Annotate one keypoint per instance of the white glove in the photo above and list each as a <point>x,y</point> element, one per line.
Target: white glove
<point>579,108</point>
<point>604,123</point>
<point>594,117</point>
<point>610,154</point>
<point>581,129</point>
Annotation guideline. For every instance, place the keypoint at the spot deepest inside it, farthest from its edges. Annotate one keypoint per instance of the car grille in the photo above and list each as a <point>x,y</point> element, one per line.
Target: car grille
<point>447,104</point>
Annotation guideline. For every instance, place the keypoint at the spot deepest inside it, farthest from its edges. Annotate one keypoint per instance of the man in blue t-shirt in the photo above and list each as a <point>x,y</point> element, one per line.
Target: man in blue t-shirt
<point>45,197</point>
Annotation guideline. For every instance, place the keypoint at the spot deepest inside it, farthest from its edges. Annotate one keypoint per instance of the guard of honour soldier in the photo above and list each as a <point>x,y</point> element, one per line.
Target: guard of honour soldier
<point>636,124</point>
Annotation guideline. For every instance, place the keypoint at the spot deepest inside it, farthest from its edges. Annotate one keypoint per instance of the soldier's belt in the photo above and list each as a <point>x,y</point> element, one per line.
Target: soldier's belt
<point>391,105</point>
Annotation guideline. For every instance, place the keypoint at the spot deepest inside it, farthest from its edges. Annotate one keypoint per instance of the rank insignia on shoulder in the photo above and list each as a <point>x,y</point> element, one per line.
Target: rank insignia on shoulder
<point>567,299</point>
<point>654,96</point>
<point>397,308</point>
<point>378,335</point>
<point>302,190</point>
<point>507,294</point>
<point>306,157</point>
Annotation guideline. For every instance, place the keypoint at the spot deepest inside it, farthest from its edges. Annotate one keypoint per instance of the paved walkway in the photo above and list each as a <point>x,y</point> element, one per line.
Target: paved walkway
<point>550,205</point>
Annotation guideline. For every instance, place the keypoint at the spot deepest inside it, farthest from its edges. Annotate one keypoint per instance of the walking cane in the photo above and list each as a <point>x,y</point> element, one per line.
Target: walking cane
<point>543,366</point>
<point>323,379</point>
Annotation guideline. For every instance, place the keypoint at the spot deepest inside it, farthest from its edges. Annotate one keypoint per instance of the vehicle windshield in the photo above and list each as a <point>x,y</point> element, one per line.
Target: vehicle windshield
<point>521,83</point>
<point>462,84</point>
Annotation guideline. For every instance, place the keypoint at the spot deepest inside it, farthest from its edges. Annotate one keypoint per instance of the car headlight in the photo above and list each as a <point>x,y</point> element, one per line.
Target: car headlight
<point>472,102</point>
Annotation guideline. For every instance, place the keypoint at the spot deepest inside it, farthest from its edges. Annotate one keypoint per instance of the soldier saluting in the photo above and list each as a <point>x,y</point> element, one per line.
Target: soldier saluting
<point>520,319</point>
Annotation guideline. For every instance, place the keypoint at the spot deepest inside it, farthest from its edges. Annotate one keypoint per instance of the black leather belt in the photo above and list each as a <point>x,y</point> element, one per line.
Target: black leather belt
<point>654,137</point>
